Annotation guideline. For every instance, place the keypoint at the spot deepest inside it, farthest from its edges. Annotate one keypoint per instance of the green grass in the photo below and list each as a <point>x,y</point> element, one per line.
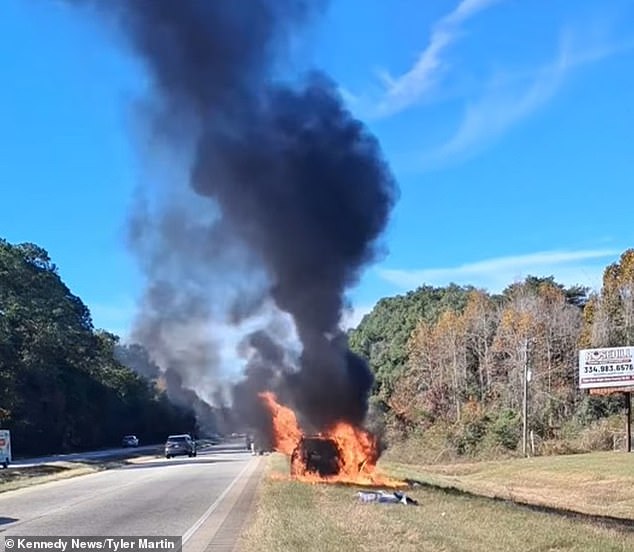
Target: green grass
<point>294,516</point>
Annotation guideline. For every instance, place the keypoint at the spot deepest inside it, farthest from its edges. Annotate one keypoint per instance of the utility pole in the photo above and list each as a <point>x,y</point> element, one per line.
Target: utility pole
<point>525,402</point>
<point>628,422</point>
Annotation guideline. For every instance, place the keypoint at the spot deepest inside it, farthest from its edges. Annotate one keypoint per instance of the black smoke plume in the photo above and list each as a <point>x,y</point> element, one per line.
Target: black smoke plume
<point>299,186</point>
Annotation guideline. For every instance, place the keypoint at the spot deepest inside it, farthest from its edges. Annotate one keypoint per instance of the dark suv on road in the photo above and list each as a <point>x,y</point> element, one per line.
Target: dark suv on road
<point>180,445</point>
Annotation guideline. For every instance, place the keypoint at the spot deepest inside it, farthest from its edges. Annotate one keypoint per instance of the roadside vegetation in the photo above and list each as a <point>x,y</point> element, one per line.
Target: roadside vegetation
<point>18,478</point>
<point>596,484</point>
<point>62,385</point>
<point>296,516</point>
<point>450,364</point>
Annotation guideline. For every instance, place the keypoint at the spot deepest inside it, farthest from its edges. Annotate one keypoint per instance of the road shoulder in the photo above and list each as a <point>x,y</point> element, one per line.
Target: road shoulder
<point>220,526</point>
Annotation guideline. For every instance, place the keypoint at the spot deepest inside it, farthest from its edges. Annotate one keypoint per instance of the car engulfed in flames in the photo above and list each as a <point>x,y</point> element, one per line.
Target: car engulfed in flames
<point>316,455</point>
<point>341,454</point>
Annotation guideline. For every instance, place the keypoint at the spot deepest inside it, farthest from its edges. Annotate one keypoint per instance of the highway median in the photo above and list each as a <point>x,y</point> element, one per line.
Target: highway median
<point>26,473</point>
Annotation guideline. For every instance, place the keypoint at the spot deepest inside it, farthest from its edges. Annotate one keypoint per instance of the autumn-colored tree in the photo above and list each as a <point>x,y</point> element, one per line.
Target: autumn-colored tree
<point>434,384</point>
<point>516,338</point>
<point>475,350</point>
<point>481,317</point>
<point>420,381</point>
<point>450,339</point>
<point>609,316</point>
<point>383,335</point>
<point>538,332</point>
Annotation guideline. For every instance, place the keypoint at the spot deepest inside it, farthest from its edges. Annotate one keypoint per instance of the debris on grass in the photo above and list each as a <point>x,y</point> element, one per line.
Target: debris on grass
<point>385,497</point>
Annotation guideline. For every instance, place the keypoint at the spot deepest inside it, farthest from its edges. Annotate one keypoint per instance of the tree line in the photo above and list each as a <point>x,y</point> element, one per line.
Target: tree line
<point>449,357</point>
<point>456,357</point>
<point>63,386</point>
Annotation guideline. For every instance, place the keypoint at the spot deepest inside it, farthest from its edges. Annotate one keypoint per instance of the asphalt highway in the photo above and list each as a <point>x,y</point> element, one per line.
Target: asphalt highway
<point>153,496</point>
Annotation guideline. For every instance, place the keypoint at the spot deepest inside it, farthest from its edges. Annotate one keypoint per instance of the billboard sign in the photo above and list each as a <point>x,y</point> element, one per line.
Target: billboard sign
<point>607,367</point>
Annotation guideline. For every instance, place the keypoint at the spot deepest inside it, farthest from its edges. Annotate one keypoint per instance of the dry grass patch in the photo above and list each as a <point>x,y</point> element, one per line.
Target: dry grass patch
<point>17,478</point>
<point>600,483</point>
<point>293,516</point>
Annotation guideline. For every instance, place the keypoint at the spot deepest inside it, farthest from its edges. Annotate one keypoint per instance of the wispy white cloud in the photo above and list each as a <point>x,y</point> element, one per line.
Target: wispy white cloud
<point>569,267</point>
<point>501,100</point>
<point>510,98</point>
<point>405,90</point>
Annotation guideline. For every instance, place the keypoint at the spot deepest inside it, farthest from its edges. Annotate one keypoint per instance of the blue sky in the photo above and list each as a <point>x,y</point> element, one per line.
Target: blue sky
<point>509,126</point>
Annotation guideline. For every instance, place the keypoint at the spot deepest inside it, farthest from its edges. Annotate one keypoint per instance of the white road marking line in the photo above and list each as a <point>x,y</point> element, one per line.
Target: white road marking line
<point>190,532</point>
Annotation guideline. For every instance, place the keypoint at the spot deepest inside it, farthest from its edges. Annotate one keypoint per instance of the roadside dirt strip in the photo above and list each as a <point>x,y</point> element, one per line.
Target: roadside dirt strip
<point>219,527</point>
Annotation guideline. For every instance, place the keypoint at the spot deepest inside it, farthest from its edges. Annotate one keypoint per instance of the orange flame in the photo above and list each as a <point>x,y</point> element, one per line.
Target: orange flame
<point>286,429</point>
<point>358,448</point>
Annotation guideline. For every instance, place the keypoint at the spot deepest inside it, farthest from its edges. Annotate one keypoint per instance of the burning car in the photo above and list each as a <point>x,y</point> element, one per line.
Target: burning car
<point>317,455</point>
<point>341,453</point>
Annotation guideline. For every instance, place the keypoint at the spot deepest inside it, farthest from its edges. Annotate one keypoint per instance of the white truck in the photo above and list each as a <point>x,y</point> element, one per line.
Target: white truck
<point>5,447</point>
